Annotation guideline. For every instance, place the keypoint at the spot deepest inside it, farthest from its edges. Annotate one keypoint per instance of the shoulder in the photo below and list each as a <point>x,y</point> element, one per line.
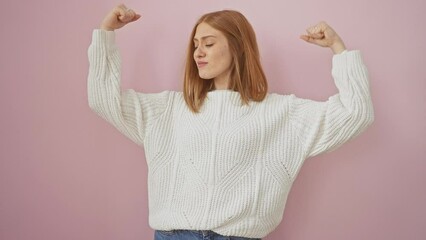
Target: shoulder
<point>276,103</point>
<point>159,99</point>
<point>169,94</point>
<point>277,98</point>
<point>175,97</point>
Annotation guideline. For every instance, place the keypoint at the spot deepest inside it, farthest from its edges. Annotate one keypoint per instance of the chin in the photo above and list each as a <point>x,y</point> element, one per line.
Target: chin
<point>206,77</point>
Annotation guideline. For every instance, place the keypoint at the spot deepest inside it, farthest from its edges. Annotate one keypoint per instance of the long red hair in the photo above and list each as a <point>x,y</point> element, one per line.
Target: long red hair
<point>247,76</point>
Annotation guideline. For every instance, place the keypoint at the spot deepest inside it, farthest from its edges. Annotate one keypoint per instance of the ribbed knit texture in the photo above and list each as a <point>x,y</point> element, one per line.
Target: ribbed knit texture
<point>229,168</point>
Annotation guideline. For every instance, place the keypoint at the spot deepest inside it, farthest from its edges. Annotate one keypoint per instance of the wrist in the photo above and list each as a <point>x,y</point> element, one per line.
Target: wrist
<point>106,28</point>
<point>338,47</point>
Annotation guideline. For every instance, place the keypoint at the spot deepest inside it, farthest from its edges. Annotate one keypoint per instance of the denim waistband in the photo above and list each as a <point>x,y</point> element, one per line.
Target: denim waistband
<point>202,233</point>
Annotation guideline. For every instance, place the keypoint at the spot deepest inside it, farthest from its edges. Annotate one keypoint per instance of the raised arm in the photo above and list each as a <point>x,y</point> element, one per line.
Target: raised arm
<point>324,126</point>
<point>129,111</point>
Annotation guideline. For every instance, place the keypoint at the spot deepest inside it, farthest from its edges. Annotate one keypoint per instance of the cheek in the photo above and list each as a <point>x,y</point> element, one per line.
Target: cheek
<point>224,52</point>
<point>226,57</point>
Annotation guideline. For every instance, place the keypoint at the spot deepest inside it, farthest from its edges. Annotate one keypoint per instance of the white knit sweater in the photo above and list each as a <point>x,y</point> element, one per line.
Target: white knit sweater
<point>229,168</point>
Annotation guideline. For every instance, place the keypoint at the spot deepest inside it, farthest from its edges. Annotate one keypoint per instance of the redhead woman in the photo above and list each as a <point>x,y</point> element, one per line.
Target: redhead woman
<point>223,153</point>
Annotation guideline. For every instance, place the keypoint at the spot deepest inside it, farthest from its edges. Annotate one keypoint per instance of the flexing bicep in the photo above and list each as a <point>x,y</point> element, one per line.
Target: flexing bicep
<point>129,111</point>
<point>324,126</point>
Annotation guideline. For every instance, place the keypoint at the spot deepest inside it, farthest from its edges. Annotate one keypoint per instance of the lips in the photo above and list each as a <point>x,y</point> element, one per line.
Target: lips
<point>201,64</point>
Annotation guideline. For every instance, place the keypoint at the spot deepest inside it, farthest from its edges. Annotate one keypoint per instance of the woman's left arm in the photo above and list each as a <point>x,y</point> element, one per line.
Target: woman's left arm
<point>324,126</point>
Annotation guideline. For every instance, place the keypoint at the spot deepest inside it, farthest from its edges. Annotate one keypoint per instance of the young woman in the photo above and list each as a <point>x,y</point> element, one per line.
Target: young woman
<point>222,154</point>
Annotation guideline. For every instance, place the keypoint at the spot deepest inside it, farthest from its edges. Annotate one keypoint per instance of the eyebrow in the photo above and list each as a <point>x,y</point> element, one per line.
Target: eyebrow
<point>195,39</point>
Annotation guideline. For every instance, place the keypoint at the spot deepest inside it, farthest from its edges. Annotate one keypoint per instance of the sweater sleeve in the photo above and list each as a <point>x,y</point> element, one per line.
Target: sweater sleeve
<point>324,126</point>
<point>128,111</point>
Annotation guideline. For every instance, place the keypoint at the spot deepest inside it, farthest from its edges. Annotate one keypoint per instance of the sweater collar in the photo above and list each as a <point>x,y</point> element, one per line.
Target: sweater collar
<point>226,95</point>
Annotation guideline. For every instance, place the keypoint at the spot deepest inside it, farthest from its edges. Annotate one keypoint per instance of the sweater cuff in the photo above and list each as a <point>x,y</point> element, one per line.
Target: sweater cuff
<point>102,37</point>
<point>343,52</point>
<point>352,58</point>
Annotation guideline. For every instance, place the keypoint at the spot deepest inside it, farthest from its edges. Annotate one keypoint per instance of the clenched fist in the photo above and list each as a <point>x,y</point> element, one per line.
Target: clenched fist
<point>323,35</point>
<point>118,17</point>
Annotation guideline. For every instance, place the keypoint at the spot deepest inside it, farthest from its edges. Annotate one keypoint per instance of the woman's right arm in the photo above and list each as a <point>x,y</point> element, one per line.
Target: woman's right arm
<point>129,111</point>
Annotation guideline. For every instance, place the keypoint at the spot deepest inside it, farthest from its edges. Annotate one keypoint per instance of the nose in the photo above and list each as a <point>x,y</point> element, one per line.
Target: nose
<point>199,52</point>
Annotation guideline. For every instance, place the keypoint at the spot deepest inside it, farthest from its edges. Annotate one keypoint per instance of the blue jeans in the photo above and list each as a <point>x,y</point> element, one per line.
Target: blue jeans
<point>194,235</point>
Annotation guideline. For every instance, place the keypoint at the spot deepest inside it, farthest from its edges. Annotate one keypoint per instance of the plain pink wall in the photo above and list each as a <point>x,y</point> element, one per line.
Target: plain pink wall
<point>67,174</point>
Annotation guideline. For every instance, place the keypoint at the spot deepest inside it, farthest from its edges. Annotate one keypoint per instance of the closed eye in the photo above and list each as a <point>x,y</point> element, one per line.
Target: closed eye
<point>208,45</point>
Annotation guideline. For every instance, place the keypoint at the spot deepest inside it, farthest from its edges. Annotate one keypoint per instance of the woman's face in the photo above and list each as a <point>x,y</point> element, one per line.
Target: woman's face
<point>212,54</point>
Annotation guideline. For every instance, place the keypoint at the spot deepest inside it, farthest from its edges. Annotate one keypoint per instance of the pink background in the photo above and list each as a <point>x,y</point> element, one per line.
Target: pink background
<point>67,174</point>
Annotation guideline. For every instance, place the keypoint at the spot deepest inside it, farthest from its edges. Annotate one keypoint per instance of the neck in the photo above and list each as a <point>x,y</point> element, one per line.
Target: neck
<point>222,82</point>
<point>220,85</point>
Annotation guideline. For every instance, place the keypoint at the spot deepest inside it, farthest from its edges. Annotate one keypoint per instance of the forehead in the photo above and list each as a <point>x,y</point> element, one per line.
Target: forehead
<point>204,30</point>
